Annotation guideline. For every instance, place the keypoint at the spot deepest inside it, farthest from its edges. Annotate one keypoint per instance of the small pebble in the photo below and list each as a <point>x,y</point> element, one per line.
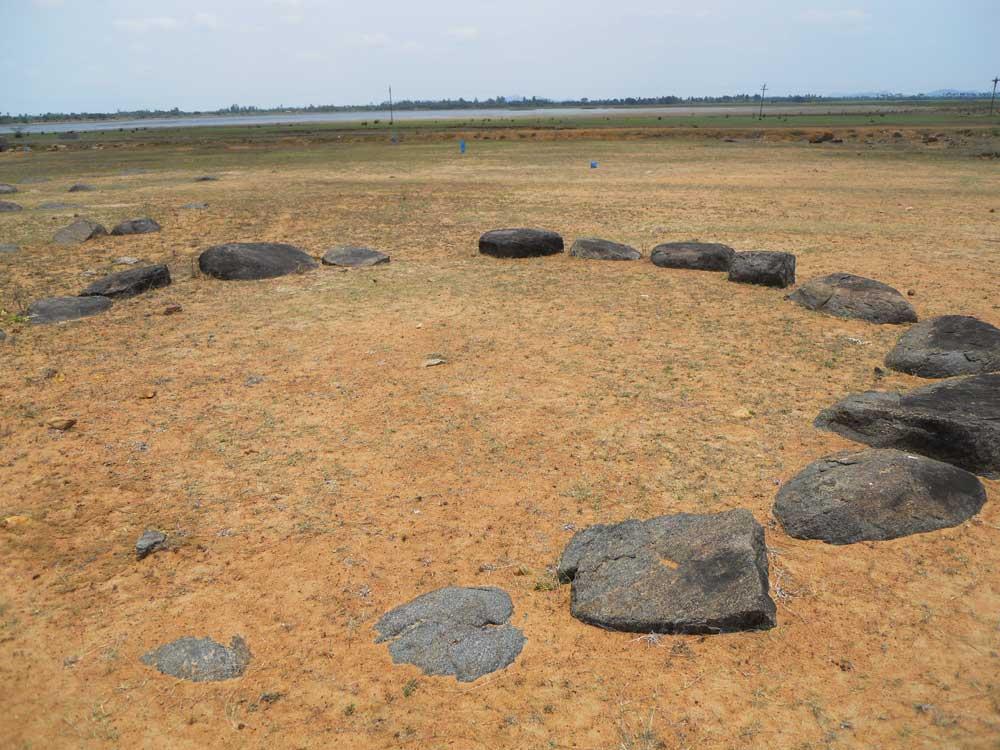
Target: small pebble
<point>172,309</point>
<point>60,423</point>
<point>434,362</point>
<point>148,393</point>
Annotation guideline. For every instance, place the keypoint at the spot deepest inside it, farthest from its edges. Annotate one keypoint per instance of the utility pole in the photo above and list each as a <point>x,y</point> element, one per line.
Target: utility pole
<point>762,90</point>
<point>994,97</point>
<point>391,118</point>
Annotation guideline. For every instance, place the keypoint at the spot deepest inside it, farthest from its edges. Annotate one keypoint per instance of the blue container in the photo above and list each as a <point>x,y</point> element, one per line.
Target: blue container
<point>461,146</point>
<point>593,165</point>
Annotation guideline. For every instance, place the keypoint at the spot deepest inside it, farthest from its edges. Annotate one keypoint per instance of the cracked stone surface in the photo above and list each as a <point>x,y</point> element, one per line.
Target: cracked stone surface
<point>844,295</point>
<point>200,659</point>
<point>946,346</point>
<point>874,495</point>
<point>683,573</point>
<point>462,632</point>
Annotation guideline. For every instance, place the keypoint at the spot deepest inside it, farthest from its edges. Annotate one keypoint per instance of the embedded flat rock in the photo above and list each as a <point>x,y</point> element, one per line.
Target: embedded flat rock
<point>136,226</point>
<point>956,421</point>
<point>464,632</point>
<point>79,231</point>
<point>682,573</point>
<point>7,189</point>
<point>10,207</point>
<point>129,283</point>
<point>200,659</point>
<point>763,268</point>
<point>696,256</point>
<point>354,257</point>
<point>593,248</point>
<point>248,261</point>
<point>947,346</point>
<point>81,188</point>
<point>56,206</point>
<point>8,248</point>
<point>845,295</point>
<point>876,494</point>
<point>520,243</point>
<point>58,309</point>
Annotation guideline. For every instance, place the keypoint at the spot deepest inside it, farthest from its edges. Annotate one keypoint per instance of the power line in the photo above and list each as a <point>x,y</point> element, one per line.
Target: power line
<point>993,98</point>
<point>762,90</point>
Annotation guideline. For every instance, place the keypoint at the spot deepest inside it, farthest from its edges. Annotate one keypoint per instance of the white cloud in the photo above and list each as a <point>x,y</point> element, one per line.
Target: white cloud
<point>463,33</point>
<point>48,3</point>
<point>378,39</point>
<point>839,17</point>
<point>206,20</point>
<point>142,25</point>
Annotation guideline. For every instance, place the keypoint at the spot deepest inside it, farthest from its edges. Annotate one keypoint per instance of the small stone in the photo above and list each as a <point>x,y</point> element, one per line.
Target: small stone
<point>136,226</point>
<point>7,189</point>
<point>593,248</point>
<point>197,205</point>
<point>150,541</point>
<point>61,423</point>
<point>206,178</point>
<point>79,231</point>
<point>130,283</point>
<point>126,261</point>
<point>81,187</point>
<point>10,207</point>
<point>434,362</point>
<point>13,522</point>
<point>743,414</point>
<point>3,336</point>
<point>172,309</point>
<point>8,248</point>
<point>148,393</point>
<point>254,380</point>
<point>354,257</point>
<point>200,659</point>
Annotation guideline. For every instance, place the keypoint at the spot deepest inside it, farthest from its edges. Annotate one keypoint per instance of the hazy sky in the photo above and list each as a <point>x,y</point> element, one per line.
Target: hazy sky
<point>103,55</point>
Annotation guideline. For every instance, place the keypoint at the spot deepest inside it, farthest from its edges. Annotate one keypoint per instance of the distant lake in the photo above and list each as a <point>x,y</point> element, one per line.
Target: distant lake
<point>438,114</point>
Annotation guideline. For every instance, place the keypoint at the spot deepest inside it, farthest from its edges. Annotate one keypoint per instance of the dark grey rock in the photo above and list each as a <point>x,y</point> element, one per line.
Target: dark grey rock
<point>245,261</point>
<point>697,256</point>
<point>520,243</point>
<point>463,632</point>
<point>845,295</point>
<point>197,205</point>
<point>136,226</point>
<point>124,284</point>
<point>764,268</point>
<point>3,336</point>
<point>592,248</point>
<point>683,573</point>
<point>206,178</point>
<point>354,257</point>
<point>957,421</point>
<point>947,346</point>
<point>7,189</point>
<point>873,495</point>
<point>10,207</point>
<point>81,187</point>
<point>8,248</point>
<point>200,659</point>
<point>58,309</point>
<point>56,206</point>
<point>79,231</point>
<point>150,541</point>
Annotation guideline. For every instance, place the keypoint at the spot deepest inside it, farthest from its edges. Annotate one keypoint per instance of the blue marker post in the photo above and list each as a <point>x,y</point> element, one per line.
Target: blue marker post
<point>461,146</point>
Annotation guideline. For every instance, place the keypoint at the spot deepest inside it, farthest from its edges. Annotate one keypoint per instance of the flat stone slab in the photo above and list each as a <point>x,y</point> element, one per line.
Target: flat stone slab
<point>200,659</point>
<point>197,205</point>
<point>8,248</point>
<point>354,257</point>
<point>59,309</point>
<point>956,421</point>
<point>844,295</point>
<point>763,268</point>
<point>81,187</point>
<point>695,256</point>
<point>947,346</point>
<point>463,632</point>
<point>682,573</point>
<point>10,207</point>
<point>124,284</point>
<point>520,243</point>
<point>79,231</point>
<point>7,189</point>
<point>594,248</point>
<point>136,226</point>
<point>206,178</point>
<point>248,261</point>
<point>150,541</point>
<point>874,495</point>
<point>56,206</point>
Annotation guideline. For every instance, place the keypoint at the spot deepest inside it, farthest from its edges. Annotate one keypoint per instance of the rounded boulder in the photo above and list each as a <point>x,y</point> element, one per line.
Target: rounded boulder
<point>250,261</point>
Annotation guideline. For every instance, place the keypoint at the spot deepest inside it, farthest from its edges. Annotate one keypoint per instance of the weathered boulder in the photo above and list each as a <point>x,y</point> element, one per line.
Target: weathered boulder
<point>58,309</point>
<point>136,226</point>
<point>764,268</point>
<point>79,231</point>
<point>10,207</point>
<point>682,573</point>
<point>873,495</point>
<point>81,187</point>
<point>845,295</point>
<point>957,421</point>
<point>520,243</point>
<point>124,284</point>
<point>947,346</point>
<point>696,256</point>
<point>354,257</point>
<point>592,248</point>
<point>200,659</point>
<point>247,261</point>
<point>464,632</point>
<point>7,189</point>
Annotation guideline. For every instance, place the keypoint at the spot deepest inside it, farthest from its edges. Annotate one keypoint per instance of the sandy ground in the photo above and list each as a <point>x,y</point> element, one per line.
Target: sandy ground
<point>350,479</point>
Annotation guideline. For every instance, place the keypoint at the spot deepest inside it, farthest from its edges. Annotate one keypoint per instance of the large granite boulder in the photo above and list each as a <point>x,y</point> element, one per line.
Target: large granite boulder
<point>683,573</point>
<point>947,346</point>
<point>520,243</point>
<point>696,256</point>
<point>58,309</point>
<point>10,207</point>
<point>957,421</point>
<point>129,283</point>
<point>592,248</point>
<point>200,659</point>
<point>354,257</point>
<point>845,295</point>
<point>873,495</point>
<point>7,189</point>
<point>764,268</point>
<point>247,261</point>
<point>136,226</point>
<point>464,632</point>
<point>79,231</point>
